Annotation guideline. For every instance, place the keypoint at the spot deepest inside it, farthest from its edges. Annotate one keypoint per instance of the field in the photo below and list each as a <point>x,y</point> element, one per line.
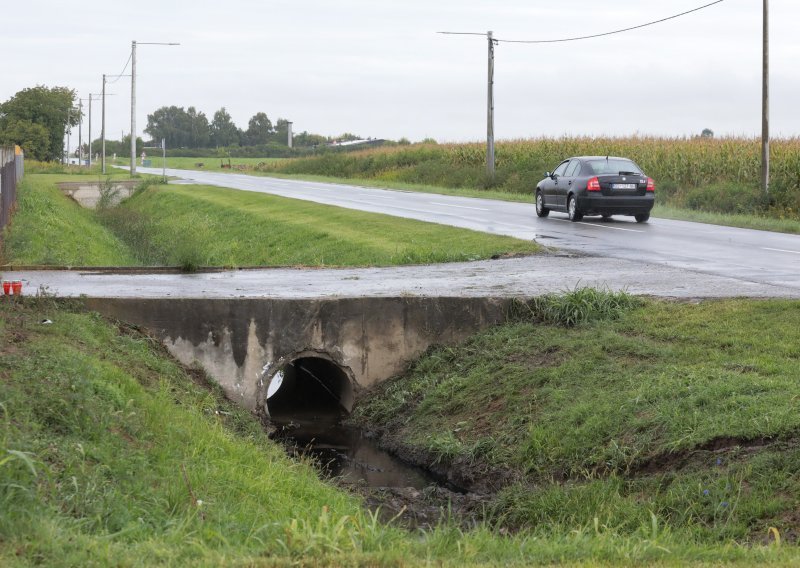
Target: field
<point>224,227</point>
<point>209,164</point>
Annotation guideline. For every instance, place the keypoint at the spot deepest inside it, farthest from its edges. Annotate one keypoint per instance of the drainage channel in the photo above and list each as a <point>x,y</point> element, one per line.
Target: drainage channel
<point>307,400</point>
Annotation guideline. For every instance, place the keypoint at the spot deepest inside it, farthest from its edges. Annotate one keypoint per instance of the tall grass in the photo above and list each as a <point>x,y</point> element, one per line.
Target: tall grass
<point>680,166</point>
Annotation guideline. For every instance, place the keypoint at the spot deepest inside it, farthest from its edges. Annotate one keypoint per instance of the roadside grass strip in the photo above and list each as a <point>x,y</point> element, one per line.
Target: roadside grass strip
<point>209,226</point>
<point>616,417</point>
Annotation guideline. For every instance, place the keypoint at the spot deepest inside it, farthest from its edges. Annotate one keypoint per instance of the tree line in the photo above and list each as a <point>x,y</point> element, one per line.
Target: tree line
<point>190,128</point>
<point>38,118</point>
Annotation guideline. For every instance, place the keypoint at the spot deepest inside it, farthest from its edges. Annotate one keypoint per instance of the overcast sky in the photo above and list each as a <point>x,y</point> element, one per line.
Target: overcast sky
<point>378,68</point>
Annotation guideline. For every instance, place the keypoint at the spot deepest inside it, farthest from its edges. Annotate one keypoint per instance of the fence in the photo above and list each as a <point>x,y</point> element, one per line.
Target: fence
<point>12,168</point>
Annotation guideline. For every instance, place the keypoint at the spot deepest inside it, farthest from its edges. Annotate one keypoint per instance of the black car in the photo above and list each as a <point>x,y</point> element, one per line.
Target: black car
<point>596,185</point>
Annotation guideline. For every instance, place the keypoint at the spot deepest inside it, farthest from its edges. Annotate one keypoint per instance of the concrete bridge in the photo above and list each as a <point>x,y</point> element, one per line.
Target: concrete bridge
<point>288,357</point>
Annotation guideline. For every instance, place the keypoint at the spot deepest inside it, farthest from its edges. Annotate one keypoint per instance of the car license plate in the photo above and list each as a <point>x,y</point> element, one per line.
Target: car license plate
<point>623,186</point>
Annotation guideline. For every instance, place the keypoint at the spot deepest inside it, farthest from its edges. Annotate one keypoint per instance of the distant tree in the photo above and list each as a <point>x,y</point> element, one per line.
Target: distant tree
<point>171,123</point>
<point>305,139</point>
<point>282,132</point>
<point>259,130</point>
<point>707,133</point>
<point>404,141</point>
<point>428,141</point>
<point>200,135</point>
<point>34,111</point>
<point>223,131</point>
<point>122,148</point>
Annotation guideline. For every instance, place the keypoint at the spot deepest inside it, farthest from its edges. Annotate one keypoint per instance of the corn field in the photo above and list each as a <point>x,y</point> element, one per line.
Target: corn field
<point>683,168</point>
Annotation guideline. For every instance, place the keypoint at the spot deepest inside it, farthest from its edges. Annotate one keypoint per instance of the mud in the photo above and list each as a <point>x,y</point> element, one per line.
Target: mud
<point>401,492</point>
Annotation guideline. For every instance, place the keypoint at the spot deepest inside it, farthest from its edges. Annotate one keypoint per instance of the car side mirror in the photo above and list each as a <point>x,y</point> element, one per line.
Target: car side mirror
<point>548,175</point>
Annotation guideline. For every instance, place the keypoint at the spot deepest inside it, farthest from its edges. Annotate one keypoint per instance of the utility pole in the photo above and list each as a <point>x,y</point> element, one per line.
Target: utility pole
<point>133,108</point>
<point>80,132</point>
<point>103,124</point>
<point>133,99</point>
<point>289,133</point>
<point>490,112</point>
<point>90,130</point>
<point>765,104</point>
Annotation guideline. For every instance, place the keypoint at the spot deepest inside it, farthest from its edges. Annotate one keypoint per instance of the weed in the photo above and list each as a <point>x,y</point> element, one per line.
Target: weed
<point>578,306</point>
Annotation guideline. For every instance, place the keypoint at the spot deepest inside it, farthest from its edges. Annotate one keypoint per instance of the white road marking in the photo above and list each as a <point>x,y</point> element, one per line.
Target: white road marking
<point>459,206</point>
<point>782,250</point>
<point>600,226</point>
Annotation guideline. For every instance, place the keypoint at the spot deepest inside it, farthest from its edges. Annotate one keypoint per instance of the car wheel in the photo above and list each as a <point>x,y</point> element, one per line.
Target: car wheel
<point>641,217</point>
<point>572,209</point>
<point>541,210</point>
<point>606,216</point>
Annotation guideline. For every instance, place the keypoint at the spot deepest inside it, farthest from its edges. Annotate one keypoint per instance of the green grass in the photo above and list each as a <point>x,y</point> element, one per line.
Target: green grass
<point>226,227</point>
<point>113,454</point>
<point>614,423</point>
<point>199,226</point>
<point>50,229</point>
<point>209,164</point>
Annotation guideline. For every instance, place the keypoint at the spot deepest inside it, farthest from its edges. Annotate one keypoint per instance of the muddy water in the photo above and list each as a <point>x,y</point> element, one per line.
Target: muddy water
<point>345,454</point>
<point>401,493</point>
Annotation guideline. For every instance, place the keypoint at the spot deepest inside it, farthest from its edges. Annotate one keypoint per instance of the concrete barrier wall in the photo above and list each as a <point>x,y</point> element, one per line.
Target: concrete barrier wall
<point>240,342</point>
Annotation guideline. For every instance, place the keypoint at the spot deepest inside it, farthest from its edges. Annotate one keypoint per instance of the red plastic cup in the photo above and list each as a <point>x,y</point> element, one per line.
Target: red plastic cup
<point>6,287</point>
<point>16,286</point>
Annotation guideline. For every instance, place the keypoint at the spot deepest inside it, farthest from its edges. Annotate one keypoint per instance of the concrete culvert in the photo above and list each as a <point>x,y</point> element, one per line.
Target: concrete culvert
<point>311,387</point>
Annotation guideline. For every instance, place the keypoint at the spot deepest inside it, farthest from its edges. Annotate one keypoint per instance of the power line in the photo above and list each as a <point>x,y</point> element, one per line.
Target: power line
<point>589,36</point>
<point>121,73</point>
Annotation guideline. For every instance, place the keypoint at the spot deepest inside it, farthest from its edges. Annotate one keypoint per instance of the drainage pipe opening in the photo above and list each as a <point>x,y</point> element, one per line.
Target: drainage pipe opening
<point>309,388</point>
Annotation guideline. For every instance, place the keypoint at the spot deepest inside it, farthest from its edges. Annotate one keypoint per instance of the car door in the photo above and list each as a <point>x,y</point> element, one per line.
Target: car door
<point>558,195</point>
<point>567,180</point>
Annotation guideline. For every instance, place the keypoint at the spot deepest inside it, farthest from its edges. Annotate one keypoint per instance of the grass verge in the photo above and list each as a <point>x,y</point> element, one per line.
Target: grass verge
<point>676,416</point>
<point>50,229</point>
<point>202,226</point>
<point>208,226</point>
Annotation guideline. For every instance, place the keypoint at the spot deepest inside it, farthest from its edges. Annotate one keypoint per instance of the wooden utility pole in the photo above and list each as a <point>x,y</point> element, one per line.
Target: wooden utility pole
<point>765,104</point>
<point>490,112</point>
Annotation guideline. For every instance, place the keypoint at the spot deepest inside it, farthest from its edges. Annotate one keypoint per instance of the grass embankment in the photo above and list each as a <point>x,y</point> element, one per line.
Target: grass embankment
<point>112,454</point>
<point>672,417</point>
<point>207,226</point>
<point>699,174</point>
<point>50,229</point>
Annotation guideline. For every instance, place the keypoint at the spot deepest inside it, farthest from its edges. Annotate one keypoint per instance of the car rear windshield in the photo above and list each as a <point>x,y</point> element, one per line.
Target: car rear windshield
<point>613,166</point>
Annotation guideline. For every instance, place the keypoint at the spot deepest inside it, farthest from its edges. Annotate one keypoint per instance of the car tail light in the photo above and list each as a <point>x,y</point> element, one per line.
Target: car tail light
<point>593,184</point>
<point>651,185</point>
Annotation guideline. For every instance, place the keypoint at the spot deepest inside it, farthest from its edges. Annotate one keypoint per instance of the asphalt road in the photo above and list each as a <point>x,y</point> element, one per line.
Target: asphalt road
<point>661,258</point>
<point>743,254</point>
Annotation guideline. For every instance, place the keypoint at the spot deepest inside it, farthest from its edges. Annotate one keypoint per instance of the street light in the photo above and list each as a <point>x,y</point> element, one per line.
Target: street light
<point>133,98</point>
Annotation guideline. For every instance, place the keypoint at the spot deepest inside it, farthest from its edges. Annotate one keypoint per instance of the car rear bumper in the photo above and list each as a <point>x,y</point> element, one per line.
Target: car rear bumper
<point>616,205</point>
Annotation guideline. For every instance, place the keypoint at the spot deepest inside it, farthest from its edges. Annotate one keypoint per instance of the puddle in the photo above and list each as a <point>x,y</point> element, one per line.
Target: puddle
<point>343,453</point>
